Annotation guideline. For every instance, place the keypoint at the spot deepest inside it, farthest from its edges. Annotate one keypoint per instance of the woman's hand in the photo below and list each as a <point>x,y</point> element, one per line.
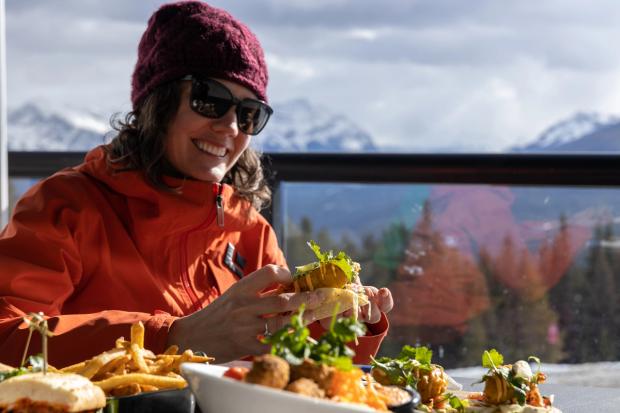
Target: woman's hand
<point>379,301</point>
<point>227,329</point>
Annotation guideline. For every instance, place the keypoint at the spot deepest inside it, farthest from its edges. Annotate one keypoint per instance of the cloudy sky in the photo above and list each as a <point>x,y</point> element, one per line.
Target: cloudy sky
<point>418,75</point>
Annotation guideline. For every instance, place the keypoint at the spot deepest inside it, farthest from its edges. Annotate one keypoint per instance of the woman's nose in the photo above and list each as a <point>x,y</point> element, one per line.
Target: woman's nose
<point>227,123</point>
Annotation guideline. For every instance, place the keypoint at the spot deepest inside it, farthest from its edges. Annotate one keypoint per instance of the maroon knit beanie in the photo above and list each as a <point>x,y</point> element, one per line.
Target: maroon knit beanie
<point>193,38</point>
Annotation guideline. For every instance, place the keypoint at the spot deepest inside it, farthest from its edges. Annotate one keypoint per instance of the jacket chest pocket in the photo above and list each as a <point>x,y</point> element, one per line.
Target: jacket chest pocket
<point>217,271</point>
<point>234,261</point>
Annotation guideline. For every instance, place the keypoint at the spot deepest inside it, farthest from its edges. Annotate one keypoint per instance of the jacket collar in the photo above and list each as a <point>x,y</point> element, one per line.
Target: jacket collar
<point>174,211</point>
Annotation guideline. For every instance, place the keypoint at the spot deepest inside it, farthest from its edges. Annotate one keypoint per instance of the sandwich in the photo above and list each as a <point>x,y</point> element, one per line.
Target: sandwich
<point>51,392</point>
<point>336,277</point>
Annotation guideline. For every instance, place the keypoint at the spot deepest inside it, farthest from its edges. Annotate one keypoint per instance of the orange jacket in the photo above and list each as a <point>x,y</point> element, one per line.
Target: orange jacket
<point>96,251</point>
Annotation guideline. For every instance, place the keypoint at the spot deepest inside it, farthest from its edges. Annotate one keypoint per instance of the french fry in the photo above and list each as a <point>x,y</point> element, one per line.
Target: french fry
<point>122,366</point>
<point>162,382</point>
<point>111,367</point>
<point>125,390</point>
<point>147,353</point>
<point>173,349</point>
<point>92,366</point>
<point>148,387</point>
<point>186,356</point>
<point>121,343</point>
<point>200,359</point>
<point>137,334</point>
<point>74,367</point>
<point>138,359</point>
<point>129,368</point>
<point>163,365</point>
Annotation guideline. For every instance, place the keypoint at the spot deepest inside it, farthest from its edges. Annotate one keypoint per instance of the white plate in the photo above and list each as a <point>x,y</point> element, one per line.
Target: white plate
<point>217,394</point>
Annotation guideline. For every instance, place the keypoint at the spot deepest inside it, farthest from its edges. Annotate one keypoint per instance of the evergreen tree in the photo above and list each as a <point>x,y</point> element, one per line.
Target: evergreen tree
<point>601,302</point>
<point>390,251</point>
<point>587,300</point>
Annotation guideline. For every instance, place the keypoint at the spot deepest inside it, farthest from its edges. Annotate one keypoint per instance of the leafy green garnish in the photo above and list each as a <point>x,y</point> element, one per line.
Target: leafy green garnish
<point>423,355</point>
<point>35,363</point>
<point>291,342</point>
<point>492,359</point>
<point>342,260</point>
<point>536,376</point>
<point>457,403</point>
<point>12,373</point>
<point>294,344</point>
<point>331,348</point>
<point>520,387</point>
<point>400,370</point>
<point>322,257</point>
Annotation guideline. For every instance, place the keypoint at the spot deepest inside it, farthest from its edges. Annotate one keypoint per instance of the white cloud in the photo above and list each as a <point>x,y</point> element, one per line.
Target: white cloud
<point>298,68</point>
<point>418,75</point>
<point>362,34</point>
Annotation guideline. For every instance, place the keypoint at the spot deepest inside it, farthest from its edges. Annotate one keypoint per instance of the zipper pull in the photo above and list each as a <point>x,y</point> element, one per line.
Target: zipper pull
<point>219,204</point>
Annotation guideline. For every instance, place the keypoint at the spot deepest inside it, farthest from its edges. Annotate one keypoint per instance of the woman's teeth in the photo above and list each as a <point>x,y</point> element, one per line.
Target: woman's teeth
<point>210,149</point>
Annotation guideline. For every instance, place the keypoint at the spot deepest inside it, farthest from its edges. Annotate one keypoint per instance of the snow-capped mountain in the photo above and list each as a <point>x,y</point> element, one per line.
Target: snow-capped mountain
<point>298,125</point>
<point>295,126</point>
<point>581,132</point>
<point>35,127</point>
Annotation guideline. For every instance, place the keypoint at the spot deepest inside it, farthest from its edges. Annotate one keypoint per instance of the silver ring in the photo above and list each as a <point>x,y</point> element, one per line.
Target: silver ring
<point>267,333</point>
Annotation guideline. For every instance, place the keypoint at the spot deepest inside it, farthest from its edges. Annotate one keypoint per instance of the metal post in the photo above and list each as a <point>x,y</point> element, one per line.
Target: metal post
<point>4,169</point>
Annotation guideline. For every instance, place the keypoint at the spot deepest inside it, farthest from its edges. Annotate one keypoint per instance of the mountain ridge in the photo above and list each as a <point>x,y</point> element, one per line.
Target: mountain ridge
<point>296,126</point>
<point>581,132</point>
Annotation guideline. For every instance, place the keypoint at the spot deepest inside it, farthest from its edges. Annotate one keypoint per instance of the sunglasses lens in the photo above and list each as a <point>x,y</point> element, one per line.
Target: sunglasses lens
<point>252,116</point>
<point>210,99</point>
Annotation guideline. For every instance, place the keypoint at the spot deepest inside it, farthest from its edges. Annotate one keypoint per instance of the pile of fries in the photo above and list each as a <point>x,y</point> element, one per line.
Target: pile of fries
<point>129,368</point>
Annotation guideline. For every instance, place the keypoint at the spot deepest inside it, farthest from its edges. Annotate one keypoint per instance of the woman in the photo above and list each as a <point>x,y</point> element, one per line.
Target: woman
<point>161,225</point>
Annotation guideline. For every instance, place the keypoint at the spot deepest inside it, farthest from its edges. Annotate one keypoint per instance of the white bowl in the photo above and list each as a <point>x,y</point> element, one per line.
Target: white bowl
<point>217,394</point>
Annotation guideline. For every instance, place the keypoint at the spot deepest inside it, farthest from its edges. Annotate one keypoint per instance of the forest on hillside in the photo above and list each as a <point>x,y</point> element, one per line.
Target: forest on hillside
<point>534,300</point>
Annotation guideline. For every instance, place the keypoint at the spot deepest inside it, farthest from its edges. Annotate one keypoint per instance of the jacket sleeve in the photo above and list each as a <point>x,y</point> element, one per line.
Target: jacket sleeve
<point>40,270</point>
<point>367,345</point>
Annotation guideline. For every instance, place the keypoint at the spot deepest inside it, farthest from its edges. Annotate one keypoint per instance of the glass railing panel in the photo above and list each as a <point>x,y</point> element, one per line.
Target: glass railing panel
<point>527,270</point>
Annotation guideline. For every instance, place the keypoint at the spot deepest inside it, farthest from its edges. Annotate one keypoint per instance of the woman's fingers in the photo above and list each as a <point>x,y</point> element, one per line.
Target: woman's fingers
<point>374,315</point>
<point>268,326</point>
<point>385,302</point>
<point>379,300</point>
<point>259,280</point>
<point>286,302</point>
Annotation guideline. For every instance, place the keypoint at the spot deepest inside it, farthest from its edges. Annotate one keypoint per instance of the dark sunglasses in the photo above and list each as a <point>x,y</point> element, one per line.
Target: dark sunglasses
<point>211,99</point>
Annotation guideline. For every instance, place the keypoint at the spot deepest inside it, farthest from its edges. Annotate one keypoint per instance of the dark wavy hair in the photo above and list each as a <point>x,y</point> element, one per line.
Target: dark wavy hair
<point>139,145</point>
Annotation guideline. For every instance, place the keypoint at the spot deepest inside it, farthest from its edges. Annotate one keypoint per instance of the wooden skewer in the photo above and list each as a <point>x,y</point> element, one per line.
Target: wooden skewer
<point>37,321</point>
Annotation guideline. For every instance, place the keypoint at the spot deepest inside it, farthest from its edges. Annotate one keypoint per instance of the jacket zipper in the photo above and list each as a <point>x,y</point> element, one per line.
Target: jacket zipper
<point>217,211</point>
<point>219,205</point>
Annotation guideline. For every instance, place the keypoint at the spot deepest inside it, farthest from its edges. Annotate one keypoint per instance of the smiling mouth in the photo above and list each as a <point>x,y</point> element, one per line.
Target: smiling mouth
<point>210,149</point>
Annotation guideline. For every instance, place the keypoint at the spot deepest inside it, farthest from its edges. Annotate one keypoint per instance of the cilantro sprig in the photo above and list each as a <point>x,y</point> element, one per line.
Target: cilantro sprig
<point>401,370</point>
<point>492,359</point>
<point>456,403</point>
<point>294,344</point>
